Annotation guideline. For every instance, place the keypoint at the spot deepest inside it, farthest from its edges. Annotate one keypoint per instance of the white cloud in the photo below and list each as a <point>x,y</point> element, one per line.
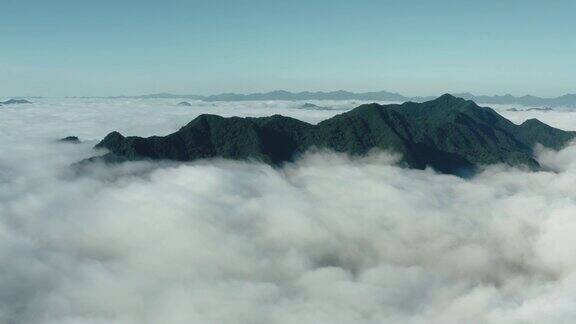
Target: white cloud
<point>328,239</point>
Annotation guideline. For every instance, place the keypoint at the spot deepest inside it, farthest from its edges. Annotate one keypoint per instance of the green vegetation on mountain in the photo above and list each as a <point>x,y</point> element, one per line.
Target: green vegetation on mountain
<point>450,134</point>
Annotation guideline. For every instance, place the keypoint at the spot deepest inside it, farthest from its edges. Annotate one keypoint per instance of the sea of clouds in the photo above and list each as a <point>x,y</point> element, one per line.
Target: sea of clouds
<point>328,239</point>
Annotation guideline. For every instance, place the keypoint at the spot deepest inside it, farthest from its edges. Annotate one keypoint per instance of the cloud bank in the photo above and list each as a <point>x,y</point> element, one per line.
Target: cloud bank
<point>328,239</point>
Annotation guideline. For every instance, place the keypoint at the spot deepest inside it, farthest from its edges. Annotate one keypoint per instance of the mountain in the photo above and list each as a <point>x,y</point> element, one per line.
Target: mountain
<point>15,102</point>
<point>568,100</point>
<point>311,106</point>
<point>452,135</point>
<point>70,139</point>
<point>290,96</point>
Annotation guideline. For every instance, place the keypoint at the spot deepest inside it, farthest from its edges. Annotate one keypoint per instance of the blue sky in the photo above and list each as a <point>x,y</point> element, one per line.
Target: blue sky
<point>105,47</point>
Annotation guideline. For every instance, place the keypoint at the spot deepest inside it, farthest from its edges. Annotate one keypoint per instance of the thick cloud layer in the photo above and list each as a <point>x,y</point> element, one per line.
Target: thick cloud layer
<point>328,239</point>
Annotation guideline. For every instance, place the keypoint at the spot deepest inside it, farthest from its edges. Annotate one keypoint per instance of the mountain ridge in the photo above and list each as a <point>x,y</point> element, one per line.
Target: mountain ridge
<point>451,135</point>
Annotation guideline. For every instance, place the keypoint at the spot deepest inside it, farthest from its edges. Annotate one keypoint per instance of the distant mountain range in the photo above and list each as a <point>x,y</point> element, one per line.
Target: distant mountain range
<point>451,135</point>
<point>568,100</point>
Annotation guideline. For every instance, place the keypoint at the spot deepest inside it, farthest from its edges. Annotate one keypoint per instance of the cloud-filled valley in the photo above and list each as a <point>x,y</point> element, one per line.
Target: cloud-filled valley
<point>327,239</point>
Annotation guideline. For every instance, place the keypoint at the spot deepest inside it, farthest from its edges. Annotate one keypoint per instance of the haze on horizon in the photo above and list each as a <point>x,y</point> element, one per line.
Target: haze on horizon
<point>72,48</point>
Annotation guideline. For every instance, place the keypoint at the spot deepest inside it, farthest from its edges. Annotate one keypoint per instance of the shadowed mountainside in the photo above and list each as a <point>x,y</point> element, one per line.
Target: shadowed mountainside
<point>450,134</point>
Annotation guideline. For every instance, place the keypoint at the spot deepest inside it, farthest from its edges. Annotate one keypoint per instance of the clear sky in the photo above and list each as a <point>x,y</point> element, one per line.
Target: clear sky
<point>113,47</point>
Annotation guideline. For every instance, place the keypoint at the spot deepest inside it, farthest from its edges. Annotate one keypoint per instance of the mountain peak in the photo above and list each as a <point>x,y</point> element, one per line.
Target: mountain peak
<point>533,121</point>
<point>449,98</point>
<point>112,139</point>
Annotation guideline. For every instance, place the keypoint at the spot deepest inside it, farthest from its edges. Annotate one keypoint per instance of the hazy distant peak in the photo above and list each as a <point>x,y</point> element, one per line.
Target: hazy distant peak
<point>567,100</point>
